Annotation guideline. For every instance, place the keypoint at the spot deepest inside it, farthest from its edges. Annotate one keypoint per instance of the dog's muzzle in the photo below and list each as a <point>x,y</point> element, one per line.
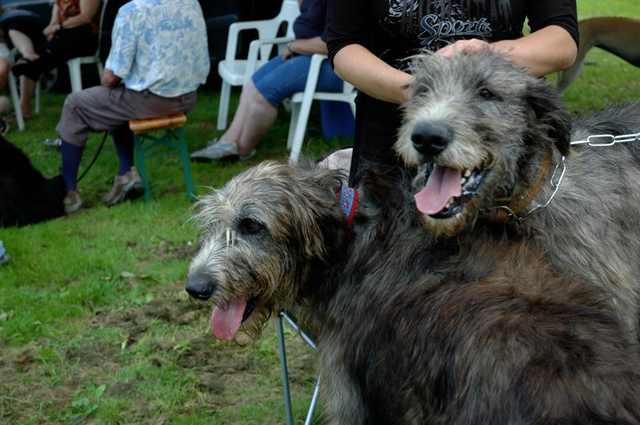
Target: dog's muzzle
<point>200,286</point>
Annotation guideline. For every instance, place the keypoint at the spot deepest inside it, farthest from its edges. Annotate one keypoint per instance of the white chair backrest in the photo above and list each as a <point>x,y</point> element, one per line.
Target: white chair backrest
<point>289,11</point>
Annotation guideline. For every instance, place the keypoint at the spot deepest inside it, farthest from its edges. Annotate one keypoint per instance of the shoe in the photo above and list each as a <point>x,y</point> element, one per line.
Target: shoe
<point>52,143</point>
<point>21,66</point>
<point>4,257</point>
<point>217,149</point>
<point>122,186</point>
<point>72,202</point>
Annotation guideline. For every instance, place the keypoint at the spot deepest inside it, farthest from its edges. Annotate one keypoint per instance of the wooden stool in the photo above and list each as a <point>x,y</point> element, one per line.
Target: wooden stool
<point>173,137</point>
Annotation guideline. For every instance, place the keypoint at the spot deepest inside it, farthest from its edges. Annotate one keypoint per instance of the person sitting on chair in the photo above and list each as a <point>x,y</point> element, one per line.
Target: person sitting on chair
<point>158,58</point>
<point>72,32</point>
<point>275,81</point>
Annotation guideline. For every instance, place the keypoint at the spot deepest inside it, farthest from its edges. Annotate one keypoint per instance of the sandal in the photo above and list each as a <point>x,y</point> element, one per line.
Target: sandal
<point>21,66</point>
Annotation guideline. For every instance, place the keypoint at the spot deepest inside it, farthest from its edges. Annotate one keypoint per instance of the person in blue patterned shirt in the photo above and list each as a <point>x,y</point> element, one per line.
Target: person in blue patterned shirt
<point>158,58</point>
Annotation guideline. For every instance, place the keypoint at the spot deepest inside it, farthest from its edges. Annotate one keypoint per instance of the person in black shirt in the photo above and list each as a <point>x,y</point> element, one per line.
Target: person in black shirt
<point>369,41</point>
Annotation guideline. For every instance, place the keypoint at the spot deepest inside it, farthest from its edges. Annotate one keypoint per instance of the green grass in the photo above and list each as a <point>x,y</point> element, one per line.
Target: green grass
<point>94,325</point>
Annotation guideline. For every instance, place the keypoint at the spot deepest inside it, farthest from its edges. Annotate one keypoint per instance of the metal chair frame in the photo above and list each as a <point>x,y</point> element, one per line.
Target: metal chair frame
<point>283,317</point>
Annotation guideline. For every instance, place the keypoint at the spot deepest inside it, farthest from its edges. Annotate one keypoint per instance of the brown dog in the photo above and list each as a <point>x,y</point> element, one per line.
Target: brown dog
<point>617,35</point>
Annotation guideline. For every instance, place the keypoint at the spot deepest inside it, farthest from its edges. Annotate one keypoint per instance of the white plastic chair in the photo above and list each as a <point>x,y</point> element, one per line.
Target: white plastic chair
<point>300,102</point>
<point>75,70</point>
<point>15,95</point>
<point>301,106</point>
<point>234,71</point>
<point>75,64</point>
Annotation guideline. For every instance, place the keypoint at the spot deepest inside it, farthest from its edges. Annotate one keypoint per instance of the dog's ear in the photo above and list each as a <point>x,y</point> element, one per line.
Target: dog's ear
<point>548,117</point>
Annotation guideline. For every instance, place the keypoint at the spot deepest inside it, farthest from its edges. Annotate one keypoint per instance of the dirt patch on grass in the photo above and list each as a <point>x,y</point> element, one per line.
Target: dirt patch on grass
<point>142,358</point>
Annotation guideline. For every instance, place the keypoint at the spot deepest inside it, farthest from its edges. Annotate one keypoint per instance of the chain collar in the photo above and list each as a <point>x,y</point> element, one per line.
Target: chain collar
<point>509,212</point>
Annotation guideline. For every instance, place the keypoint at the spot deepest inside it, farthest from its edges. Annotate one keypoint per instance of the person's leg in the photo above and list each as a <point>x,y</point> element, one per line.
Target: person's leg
<point>233,133</point>
<point>63,46</point>
<point>127,178</point>
<point>123,141</point>
<point>247,97</point>
<point>260,116</point>
<point>288,78</point>
<point>94,109</point>
<point>27,89</point>
<point>24,44</point>
<point>5,67</point>
<point>71,156</point>
<point>71,148</point>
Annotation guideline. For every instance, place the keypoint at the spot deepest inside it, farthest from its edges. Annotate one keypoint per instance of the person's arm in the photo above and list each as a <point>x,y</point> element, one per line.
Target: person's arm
<point>109,79</point>
<point>371,75</point>
<point>348,24</point>
<point>88,11</point>
<point>307,46</point>
<point>54,25</point>
<point>124,38</point>
<point>547,50</point>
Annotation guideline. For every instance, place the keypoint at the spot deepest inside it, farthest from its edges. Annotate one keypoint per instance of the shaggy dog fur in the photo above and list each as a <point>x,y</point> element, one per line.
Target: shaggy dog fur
<point>26,197</point>
<point>488,141</point>
<point>478,329</point>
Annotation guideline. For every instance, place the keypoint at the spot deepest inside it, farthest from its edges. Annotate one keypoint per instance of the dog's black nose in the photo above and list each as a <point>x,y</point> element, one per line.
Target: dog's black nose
<point>200,286</point>
<point>431,138</point>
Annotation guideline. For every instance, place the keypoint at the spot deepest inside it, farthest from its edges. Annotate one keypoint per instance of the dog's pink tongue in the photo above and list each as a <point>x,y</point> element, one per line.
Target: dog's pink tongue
<point>225,322</point>
<point>443,183</point>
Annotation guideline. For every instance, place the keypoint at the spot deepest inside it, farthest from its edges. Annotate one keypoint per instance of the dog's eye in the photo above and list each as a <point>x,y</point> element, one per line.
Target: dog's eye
<point>420,89</point>
<point>487,94</point>
<point>249,226</point>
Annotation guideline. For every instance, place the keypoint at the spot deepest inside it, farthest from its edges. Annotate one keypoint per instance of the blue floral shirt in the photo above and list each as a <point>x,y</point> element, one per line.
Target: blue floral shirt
<point>160,46</point>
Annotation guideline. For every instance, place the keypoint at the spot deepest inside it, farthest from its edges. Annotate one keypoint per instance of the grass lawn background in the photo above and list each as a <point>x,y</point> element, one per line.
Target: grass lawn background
<point>94,324</point>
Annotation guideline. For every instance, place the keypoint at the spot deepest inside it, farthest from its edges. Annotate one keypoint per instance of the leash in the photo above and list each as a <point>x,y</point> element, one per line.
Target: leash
<point>595,140</point>
<point>598,140</point>
<point>95,157</point>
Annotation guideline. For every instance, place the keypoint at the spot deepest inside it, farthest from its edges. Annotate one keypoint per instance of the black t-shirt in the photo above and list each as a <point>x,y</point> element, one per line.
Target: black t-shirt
<point>395,29</point>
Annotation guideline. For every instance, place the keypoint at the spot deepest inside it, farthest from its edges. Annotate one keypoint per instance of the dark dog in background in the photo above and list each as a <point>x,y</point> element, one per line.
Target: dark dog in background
<point>26,196</point>
<point>617,35</point>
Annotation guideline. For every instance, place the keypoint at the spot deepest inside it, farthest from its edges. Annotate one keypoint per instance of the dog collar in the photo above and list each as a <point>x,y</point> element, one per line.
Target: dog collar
<point>349,198</point>
<point>515,207</point>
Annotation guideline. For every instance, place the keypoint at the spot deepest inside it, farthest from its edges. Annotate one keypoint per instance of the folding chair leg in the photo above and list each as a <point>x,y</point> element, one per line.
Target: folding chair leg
<point>295,114</point>
<point>314,402</point>
<point>179,135</point>
<point>15,99</point>
<point>75,75</point>
<point>100,69</point>
<point>285,370</point>
<point>223,109</point>
<point>301,129</point>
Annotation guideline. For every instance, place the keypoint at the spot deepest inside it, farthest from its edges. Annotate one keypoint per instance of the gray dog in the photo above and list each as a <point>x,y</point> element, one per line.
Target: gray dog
<point>492,144</point>
<point>478,329</point>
